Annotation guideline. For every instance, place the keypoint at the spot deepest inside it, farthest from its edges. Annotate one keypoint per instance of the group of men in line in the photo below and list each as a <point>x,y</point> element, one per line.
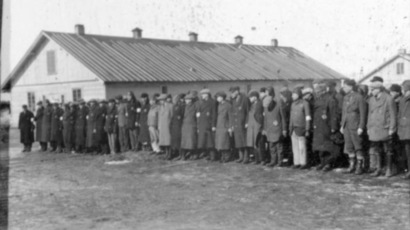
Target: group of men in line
<point>314,125</point>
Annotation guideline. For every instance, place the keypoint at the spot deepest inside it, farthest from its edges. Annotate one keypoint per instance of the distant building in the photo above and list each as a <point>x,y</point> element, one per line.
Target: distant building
<point>393,71</point>
<point>70,66</point>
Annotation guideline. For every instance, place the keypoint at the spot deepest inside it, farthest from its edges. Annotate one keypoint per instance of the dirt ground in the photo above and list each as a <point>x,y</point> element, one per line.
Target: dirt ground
<point>63,191</point>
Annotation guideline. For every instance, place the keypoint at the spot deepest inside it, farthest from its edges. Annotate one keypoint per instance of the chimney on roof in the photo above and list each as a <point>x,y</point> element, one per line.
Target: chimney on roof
<point>274,42</point>
<point>137,33</point>
<point>402,51</point>
<point>79,29</point>
<point>239,40</point>
<point>193,37</point>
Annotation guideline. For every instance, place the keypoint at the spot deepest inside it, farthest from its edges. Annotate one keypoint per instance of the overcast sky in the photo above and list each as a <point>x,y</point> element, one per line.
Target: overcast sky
<point>343,34</point>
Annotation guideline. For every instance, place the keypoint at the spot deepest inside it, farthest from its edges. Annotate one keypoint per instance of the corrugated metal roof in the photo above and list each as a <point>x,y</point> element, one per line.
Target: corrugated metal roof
<point>120,59</point>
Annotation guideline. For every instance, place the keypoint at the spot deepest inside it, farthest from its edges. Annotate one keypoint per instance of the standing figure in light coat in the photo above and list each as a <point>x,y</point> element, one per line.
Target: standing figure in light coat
<point>164,125</point>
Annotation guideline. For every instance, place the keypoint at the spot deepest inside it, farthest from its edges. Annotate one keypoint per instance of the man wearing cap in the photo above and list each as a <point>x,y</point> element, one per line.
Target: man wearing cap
<point>325,124</point>
<point>100,135</point>
<point>39,120</point>
<point>400,156</point>
<point>286,103</point>
<point>132,117</point>
<point>164,125</point>
<point>110,125</point>
<point>352,127</point>
<point>46,124</point>
<point>275,128</point>
<point>92,117</point>
<point>206,119</point>
<point>123,136</point>
<point>144,136</point>
<point>176,125</point>
<point>313,157</point>
<point>26,129</point>
<point>381,125</point>
<point>189,128</point>
<point>299,128</point>
<point>152,122</point>
<point>404,123</point>
<point>56,132</point>
<point>68,127</point>
<point>253,126</point>
<point>80,126</point>
<point>238,117</point>
<point>223,131</point>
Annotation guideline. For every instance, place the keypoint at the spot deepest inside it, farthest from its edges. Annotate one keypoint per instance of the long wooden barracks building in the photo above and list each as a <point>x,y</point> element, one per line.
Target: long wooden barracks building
<point>70,66</point>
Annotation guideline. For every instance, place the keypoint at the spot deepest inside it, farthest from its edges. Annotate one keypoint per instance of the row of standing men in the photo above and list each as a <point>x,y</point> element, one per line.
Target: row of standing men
<point>314,125</point>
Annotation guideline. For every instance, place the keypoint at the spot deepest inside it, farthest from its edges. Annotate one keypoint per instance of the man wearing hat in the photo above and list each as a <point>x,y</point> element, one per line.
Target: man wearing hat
<point>189,128</point>
<point>325,124</point>
<point>352,126</point>
<point>123,136</point>
<point>110,125</point>
<point>164,124</point>
<point>176,125</point>
<point>92,117</point>
<point>46,125</point>
<point>132,117</point>
<point>206,122</point>
<point>238,118</point>
<point>56,132</point>
<point>404,123</point>
<point>68,127</point>
<point>152,122</point>
<point>253,126</point>
<point>26,129</point>
<point>299,128</point>
<point>144,136</point>
<point>39,119</point>
<point>80,125</point>
<point>400,158</point>
<point>100,135</point>
<point>223,131</point>
<point>381,125</point>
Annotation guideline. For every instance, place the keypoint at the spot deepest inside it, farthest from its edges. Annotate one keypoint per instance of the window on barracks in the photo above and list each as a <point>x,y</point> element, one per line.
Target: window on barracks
<point>31,101</point>
<point>76,95</point>
<point>400,68</point>
<point>164,89</point>
<point>51,62</point>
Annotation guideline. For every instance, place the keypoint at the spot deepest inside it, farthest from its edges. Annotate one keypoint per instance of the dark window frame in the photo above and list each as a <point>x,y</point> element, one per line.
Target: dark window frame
<point>77,94</point>
<point>31,101</point>
<point>400,68</point>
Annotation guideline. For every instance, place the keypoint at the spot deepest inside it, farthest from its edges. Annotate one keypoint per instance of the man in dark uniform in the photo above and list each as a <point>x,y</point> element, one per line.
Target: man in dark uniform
<point>110,125</point>
<point>80,126</point>
<point>26,129</point>
<point>176,125</point>
<point>206,118</point>
<point>46,125</point>
<point>238,117</point>
<point>352,126</point>
<point>144,136</point>
<point>101,135</point>
<point>325,124</point>
<point>56,137</point>
<point>254,126</point>
<point>68,127</point>
<point>39,119</point>
<point>92,117</point>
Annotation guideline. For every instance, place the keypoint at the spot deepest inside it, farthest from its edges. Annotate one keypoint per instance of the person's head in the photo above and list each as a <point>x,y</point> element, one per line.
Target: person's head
<point>253,96</point>
<point>395,90</point>
<point>349,85</point>
<point>93,103</point>
<point>285,94</point>
<point>131,96</point>
<point>376,85</point>
<point>162,98</point>
<point>331,86</point>
<point>189,98</point>
<point>320,87</point>
<point>363,90</point>
<point>296,93</point>
<point>307,93</point>
<point>118,99</point>
<point>111,103</point>
<point>144,98</point>
<point>271,91</point>
<point>47,103</point>
<point>263,92</point>
<point>220,96</point>
<point>25,108</point>
<point>234,91</point>
<point>39,105</point>
<point>406,87</point>
<point>154,99</point>
<point>205,93</point>
<point>169,98</point>
<point>181,97</point>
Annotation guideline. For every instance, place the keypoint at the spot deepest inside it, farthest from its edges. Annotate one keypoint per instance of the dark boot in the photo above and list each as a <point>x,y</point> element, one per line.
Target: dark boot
<point>351,167</point>
<point>273,159</point>
<point>24,149</point>
<point>359,167</point>
<point>321,163</point>
<point>212,155</point>
<point>378,164</point>
<point>228,156</point>
<point>280,159</point>
<point>389,165</point>
<point>407,176</point>
<point>240,157</point>
<point>246,157</point>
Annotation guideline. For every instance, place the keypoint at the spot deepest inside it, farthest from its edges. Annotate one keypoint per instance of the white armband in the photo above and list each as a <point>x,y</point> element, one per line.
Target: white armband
<point>308,118</point>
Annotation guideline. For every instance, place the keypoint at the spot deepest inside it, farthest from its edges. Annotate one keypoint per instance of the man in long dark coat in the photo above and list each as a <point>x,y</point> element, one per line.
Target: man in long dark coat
<point>100,135</point>
<point>68,127</point>
<point>92,118</point>
<point>325,123</point>
<point>254,126</point>
<point>110,125</point>
<point>403,120</point>
<point>46,124</point>
<point>176,125</point>
<point>26,129</point>
<point>56,133</point>
<point>206,118</point>
<point>238,117</point>
<point>39,120</point>
<point>144,136</point>
<point>80,127</point>
<point>132,117</point>
<point>189,128</point>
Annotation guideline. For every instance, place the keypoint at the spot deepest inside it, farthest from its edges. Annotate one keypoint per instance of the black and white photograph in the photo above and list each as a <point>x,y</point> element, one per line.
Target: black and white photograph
<point>202,115</point>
